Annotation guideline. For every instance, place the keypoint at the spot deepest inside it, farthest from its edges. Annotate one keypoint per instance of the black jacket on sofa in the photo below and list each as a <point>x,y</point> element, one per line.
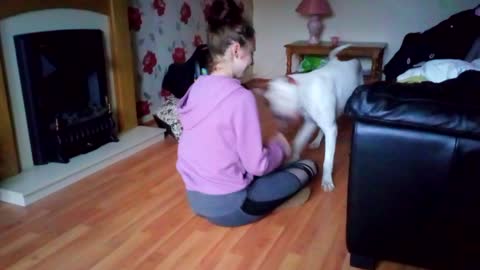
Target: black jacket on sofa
<point>450,39</point>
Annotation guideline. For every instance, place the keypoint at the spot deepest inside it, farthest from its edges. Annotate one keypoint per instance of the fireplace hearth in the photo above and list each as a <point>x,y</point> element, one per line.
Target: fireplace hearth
<point>64,86</point>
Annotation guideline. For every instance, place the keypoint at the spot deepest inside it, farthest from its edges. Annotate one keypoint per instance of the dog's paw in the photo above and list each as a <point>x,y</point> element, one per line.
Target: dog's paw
<point>328,186</point>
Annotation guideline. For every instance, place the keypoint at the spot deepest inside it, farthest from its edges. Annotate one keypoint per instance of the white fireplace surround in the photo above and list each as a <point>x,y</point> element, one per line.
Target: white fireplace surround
<point>39,21</point>
<point>36,182</point>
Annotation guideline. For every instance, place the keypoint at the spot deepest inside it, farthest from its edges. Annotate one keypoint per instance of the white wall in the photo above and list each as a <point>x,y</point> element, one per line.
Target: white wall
<point>277,24</point>
<point>37,21</point>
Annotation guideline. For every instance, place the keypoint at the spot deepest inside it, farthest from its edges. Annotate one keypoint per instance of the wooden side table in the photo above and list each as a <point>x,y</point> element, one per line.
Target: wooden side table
<point>373,51</point>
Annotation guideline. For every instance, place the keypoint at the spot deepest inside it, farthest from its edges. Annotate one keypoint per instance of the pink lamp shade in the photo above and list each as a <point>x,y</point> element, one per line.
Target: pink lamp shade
<point>315,9</point>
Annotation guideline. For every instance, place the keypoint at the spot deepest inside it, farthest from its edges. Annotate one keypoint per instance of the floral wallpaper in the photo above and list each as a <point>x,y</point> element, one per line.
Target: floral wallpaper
<point>164,32</point>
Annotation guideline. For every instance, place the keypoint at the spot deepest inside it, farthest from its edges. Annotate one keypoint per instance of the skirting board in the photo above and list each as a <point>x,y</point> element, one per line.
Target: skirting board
<point>34,184</point>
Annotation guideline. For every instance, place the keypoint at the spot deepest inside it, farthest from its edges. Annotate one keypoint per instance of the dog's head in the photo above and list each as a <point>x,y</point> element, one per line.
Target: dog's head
<point>282,96</point>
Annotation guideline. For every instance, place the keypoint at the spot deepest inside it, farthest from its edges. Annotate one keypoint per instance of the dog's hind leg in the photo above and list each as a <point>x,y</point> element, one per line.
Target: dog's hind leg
<point>318,140</point>
<point>302,138</point>
<point>330,142</point>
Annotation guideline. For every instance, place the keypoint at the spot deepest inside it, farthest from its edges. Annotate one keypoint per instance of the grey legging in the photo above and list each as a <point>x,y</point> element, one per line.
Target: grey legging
<point>260,198</point>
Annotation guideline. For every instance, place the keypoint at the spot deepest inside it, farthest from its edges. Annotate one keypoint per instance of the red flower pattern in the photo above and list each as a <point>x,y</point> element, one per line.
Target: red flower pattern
<point>179,55</point>
<point>143,108</point>
<point>134,18</point>
<point>165,93</point>
<point>149,62</point>
<point>185,13</point>
<point>197,41</point>
<point>159,6</point>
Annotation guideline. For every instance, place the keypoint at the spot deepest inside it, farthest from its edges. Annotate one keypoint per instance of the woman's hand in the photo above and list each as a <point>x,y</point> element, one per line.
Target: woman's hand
<point>287,149</point>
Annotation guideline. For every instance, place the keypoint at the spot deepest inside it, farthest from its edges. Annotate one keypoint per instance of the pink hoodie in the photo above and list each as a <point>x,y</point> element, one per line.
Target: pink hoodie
<point>221,148</point>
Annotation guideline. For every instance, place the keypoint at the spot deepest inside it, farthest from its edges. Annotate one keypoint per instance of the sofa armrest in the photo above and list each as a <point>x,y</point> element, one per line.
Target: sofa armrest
<point>451,107</point>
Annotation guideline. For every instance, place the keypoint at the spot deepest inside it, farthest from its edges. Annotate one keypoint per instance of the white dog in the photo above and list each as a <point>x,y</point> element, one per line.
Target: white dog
<point>320,97</point>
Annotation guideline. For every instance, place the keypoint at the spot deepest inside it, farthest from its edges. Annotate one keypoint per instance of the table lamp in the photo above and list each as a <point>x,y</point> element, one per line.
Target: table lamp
<point>315,9</point>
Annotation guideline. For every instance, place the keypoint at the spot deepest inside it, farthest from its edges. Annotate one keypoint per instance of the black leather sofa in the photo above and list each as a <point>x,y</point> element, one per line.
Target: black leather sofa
<point>414,182</point>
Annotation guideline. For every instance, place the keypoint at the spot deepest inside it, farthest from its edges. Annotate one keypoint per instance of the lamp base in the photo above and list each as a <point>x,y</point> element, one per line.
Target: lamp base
<point>315,27</point>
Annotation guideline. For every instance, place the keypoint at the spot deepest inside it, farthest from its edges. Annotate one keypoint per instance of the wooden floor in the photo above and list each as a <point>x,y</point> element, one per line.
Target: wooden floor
<point>134,215</point>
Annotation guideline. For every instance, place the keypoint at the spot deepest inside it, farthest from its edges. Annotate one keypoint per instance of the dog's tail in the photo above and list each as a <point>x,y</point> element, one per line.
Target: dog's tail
<point>333,54</point>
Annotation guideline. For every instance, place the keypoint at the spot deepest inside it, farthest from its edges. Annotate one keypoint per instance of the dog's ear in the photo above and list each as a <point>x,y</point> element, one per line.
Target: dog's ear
<point>291,80</point>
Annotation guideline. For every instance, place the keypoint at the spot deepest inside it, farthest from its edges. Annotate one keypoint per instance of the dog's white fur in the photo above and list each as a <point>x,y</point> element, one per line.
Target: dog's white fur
<point>320,96</point>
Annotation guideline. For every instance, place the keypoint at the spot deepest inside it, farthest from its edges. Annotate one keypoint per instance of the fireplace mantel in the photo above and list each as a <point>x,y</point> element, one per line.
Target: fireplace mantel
<point>122,67</point>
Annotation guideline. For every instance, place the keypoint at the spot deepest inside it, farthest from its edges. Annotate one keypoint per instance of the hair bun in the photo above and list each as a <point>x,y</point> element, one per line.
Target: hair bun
<point>223,13</point>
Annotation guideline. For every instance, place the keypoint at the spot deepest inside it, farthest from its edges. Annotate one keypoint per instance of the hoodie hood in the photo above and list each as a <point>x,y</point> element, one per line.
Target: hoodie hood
<point>203,98</point>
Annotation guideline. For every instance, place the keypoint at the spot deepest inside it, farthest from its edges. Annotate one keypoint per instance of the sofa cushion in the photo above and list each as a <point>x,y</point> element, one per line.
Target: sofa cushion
<point>451,107</point>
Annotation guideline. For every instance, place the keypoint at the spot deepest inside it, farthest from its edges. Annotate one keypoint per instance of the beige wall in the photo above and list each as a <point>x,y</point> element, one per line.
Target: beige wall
<point>277,23</point>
